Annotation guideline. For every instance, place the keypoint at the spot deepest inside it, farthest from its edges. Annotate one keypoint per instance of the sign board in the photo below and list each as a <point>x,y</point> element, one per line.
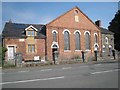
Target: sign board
<point>21,40</point>
<point>36,58</point>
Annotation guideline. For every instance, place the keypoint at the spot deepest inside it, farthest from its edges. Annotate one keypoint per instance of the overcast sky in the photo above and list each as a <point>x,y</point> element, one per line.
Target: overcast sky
<point>44,12</point>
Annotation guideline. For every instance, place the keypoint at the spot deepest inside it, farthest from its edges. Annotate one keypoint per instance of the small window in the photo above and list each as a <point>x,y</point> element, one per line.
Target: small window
<point>31,48</point>
<point>31,33</point>
<point>76,11</point>
<point>54,36</point>
<point>96,39</point>
<point>112,39</point>
<point>76,19</point>
<point>106,40</point>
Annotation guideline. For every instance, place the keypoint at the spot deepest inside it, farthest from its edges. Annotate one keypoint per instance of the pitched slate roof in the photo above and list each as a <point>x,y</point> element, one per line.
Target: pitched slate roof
<point>105,31</point>
<point>17,30</point>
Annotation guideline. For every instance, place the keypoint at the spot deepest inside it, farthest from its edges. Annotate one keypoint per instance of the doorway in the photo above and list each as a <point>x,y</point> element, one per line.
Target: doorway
<point>11,52</point>
<point>55,53</point>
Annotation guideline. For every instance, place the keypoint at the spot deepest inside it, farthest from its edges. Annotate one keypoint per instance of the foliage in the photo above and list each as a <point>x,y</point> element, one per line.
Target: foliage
<point>115,27</point>
<point>76,57</point>
<point>8,65</point>
<point>2,54</point>
<point>91,58</point>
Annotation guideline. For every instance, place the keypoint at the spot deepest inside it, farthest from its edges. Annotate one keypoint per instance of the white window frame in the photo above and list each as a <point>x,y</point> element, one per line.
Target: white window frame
<point>31,48</point>
<point>54,43</point>
<point>66,30</point>
<point>10,45</point>
<point>31,27</point>
<point>54,31</point>
<point>86,32</point>
<point>77,31</point>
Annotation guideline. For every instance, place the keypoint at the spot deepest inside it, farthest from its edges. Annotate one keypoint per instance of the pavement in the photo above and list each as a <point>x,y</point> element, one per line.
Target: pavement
<point>52,66</point>
<point>100,74</point>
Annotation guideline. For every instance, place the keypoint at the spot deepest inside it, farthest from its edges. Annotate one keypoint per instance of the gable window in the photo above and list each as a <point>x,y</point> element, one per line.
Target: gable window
<point>76,18</point>
<point>54,36</point>
<point>76,15</point>
<point>31,33</point>
<point>76,11</point>
<point>87,41</point>
<point>66,40</point>
<point>77,40</point>
<point>31,48</point>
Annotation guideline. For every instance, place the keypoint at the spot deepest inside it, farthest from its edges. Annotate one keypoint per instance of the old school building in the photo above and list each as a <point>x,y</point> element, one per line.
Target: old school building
<point>63,38</point>
<point>107,40</point>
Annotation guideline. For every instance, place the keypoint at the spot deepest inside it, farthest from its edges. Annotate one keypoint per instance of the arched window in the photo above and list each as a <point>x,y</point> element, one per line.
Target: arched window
<point>66,40</point>
<point>77,40</point>
<point>87,41</point>
<point>96,39</point>
<point>54,36</point>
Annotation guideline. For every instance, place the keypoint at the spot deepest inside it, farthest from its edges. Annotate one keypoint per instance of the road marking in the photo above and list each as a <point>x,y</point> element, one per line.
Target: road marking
<point>66,68</point>
<point>105,71</point>
<point>46,70</point>
<point>33,80</point>
<point>22,71</point>
<point>83,66</point>
<point>97,64</point>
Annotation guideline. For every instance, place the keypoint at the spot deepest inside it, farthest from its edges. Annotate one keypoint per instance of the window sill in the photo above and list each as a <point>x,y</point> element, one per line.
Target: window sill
<point>31,36</point>
<point>67,50</point>
<point>31,53</point>
<point>78,50</point>
<point>87,50</point>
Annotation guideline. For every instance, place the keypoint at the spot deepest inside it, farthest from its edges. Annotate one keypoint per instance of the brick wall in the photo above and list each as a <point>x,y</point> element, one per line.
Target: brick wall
<point>20,46</point>
<point>67,21</point>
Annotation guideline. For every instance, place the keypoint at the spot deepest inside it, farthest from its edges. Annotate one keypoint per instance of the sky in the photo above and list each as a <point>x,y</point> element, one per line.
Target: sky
<point>44,12</point>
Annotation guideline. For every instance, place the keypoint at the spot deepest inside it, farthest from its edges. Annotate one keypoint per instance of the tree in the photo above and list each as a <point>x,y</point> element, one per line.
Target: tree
<point>115,27</point>
<point>2,54</point>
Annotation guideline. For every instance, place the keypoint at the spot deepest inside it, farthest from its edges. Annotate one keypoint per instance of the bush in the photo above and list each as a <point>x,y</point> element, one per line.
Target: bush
<point>2,54</point>
<point>48,63</point>
<point>8,65</point>
<point>77,57</point>
<point>91,58</point>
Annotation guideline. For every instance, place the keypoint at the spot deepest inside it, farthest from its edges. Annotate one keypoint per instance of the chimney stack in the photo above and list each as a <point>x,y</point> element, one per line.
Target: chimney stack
<point>98,23</point>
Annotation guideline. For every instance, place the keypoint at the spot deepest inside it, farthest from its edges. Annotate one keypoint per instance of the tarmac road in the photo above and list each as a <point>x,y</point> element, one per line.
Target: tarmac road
<point>100,75</point>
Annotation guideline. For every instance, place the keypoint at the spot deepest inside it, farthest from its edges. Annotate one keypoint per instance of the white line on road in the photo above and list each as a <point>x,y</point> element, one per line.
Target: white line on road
<point>66,67</point>
<point>105,71</point>
<point>46,70</point>
<point>97,64</point>
<point>22,71</point>
<point>52,78</point>
<point>83,66</point>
